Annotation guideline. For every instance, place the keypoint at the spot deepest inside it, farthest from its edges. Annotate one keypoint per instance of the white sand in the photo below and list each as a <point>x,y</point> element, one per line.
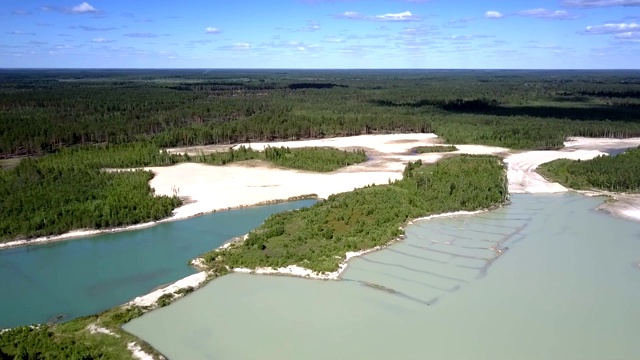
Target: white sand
<point>150,299</point>
<point>215,188</point>
<point>137,352</point>
<point>95,329</point>
<point>601,144</point>
<point>521,166</point>
<point>521,169</point>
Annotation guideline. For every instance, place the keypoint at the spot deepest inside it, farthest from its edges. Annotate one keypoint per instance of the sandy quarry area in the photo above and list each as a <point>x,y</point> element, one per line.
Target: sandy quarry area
<point>215,188</point>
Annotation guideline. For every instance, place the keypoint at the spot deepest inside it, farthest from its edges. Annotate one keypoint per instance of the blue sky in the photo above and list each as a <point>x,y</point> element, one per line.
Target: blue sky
<point>507,34</point>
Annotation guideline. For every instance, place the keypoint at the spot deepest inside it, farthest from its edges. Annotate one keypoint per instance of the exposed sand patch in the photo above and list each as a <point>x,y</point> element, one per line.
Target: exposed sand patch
<point>215,188</point>
<point>150,299</point>
<point>602,144</point>
<point>137,352</point>
<point>95,329</point>
<point>521,169</point>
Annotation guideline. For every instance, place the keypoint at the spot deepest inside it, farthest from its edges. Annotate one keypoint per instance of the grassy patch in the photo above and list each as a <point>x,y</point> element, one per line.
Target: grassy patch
<point>434,149</point>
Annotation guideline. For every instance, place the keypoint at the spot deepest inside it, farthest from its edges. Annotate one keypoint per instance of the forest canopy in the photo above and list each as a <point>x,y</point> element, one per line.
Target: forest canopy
<point>43,111</point>
<point>318,237</point>
<point>620,173</point>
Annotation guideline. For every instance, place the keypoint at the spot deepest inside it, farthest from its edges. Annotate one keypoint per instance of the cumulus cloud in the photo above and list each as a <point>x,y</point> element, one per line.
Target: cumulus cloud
<point>491,14</point>
<point>83,8</point>
<point>391,17</point>
<point>543,13</point>
<point>612,28</point>
<point>212,30</point>
<point>599,3</point>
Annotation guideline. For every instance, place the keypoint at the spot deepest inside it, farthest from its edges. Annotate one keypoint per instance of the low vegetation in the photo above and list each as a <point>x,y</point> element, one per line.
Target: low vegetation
<point>318,237</point>
<point>434,149</point>
<point>614,173</point>
<point>74,339</point>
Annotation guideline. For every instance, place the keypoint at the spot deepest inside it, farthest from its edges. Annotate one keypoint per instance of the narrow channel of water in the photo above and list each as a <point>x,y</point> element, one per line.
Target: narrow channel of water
<point>565,286</point>
<point>85,276</point>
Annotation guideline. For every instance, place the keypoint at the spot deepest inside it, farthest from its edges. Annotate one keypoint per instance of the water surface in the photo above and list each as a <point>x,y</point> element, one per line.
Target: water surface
<point>565,287</point>
<point>89,275</point>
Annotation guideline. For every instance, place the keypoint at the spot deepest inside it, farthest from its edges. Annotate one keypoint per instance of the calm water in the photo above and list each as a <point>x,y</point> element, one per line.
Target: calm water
<point>86,276</point>
<point>567,287</point>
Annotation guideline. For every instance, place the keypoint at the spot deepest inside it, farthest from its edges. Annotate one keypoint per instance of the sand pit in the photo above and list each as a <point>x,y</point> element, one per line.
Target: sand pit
<point>215,188</point>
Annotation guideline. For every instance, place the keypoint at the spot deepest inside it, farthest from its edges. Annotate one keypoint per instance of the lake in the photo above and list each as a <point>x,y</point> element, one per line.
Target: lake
<point>89,275</point>
<point>547,277</point>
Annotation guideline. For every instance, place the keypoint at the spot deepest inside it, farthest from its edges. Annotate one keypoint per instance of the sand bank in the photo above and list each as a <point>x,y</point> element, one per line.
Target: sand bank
<point>150,299</point>
<point>216,188</point>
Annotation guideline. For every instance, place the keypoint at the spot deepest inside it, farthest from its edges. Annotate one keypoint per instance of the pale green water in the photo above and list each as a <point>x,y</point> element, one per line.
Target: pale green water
<point>85,276</point>
<point>567,288</point>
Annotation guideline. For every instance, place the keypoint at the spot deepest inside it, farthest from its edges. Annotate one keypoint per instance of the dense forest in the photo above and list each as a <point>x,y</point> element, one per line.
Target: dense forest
<point>71,190</point>
<point>620,173</point>
<point>43,111</point>
<point>318,237</point>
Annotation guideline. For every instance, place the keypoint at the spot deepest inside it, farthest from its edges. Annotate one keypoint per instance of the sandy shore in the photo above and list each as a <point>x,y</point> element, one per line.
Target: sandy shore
<point>150,299</point>
<point>216,188</point>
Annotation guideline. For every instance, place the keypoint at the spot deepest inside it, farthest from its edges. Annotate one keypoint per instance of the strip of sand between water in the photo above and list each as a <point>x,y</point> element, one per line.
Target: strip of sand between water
<point>218,188</point>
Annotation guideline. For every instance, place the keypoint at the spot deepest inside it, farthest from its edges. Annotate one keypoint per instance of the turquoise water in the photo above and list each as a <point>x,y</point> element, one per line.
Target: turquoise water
<point>89,275</point>
<point>566,286</point>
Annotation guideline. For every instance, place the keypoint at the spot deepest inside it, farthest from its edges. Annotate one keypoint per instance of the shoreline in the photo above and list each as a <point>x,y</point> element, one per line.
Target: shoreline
<point>387,158</point>
<point>77,234</point>
<point>202,278</point>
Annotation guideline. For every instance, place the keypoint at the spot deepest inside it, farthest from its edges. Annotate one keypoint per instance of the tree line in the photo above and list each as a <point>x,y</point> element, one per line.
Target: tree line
<point>318,237</point>
<point>614,173</point>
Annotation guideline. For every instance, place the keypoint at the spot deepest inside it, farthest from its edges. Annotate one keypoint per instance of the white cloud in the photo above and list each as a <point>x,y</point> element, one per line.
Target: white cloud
<point>391,17</point>
<point>612,28</point>
<point>543,13</point>
<point>350,15</point>
<point>628,35</point>
<point>101,40</point>
<point>241,46</point>
<point>212,30</point>
<point>599,3</point>
<point>403,16</point>
<point>83,8</point>
<point>491,14</point>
